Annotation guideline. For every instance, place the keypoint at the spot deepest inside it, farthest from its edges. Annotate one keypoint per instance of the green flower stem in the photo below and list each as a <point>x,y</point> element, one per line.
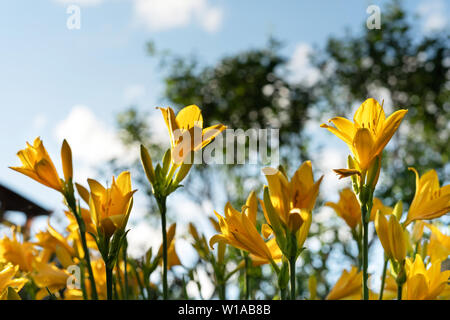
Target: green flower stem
<point>277,271</point>
<point>83,284</point>
<point>119,280</point>
<point>125,273</point>
<point>82,227</point>
<point>116,293</point>
<point>109,282</point>
<point>221,290</point>
<point>399,291</point>
<point>228,276</point>
<point>139,282</point>
<point>383,278</point>
<point>247,278</point>
<point>292,261</point>
<point>162,209</point>
<point>365,253</point>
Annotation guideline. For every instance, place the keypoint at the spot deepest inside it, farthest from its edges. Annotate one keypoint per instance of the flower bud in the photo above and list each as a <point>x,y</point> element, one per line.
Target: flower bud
<point>147,164</point>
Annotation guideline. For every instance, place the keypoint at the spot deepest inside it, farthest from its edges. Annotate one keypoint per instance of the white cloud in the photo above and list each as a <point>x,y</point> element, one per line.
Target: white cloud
<point>160,15</point>
<point>433,13</point>
<point>91,140</point>
<point>300,68</point>
<point>80,2</point>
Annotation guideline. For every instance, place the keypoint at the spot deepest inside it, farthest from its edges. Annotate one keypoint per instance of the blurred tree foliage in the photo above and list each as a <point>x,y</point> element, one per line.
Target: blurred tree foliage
<point>251,90</point>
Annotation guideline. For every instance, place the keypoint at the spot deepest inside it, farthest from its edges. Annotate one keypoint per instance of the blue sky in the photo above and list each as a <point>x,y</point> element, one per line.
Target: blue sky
<point>59,83</point>
<point>47,69</point>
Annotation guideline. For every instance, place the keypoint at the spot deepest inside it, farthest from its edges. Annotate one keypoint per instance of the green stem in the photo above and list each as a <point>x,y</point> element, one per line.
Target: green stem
<point>399,292</point>
<point>83,284</point>
<point>109,283</point>
<point>82,228</point>
<point>358,241</point>
<point>125,273</point>
<point>247,278</point>
<point>119,280</point>
<point>293,279</point>
<point>277,271</point>
<point>138,279</point>
<point>221,290</point>
<point>162,208</point>
<point>365,247</point>
<point>116,293</point>
<point>383,278</point>
<point>274,266</point>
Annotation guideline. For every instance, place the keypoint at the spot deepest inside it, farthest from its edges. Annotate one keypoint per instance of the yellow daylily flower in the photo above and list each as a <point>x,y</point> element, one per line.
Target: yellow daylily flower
<point>347,208</point>
<point>417,231</point>
<point>8,280</point>
<point>379,206</point>
<point>37,164</point>
<point>275,253</point>
<point>392,235</point>
<point>48,275</point>
<point>422,283</point>
<point>18,253</point>
<point>221,247</point>
<point>430,201</point>
<point>348,287</point>
<point>111,207</point>
<point>186,131</point>
<point>439,246</point>
<point>289,198</point>
<point>369,133</point>
<point>99,270</point>
<point>239,230</point>
<point>172,256</point>
<point>51,239</point>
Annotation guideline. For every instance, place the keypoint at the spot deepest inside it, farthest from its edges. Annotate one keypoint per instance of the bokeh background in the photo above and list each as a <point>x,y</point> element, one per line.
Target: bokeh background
<point>248,64</point>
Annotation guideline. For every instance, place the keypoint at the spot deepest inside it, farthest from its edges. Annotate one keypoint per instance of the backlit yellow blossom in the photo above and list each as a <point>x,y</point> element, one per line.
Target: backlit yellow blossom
<point>18,253</point>
<point>275,253</point>
<point>37,164</point>
<point>238,229</point>
<point>347,208</point>
<point>8,280</point>
<point>422,283</point>
<point>48,275</point>
<point>392,235</point>
<point>430,201</point>
<point>110,207</point>
<point>348,287</point>
<point>369,132</point>
<point>186,131</point>
<point>439,246</point>
<point>52,241</point>
<point>292,200</point>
